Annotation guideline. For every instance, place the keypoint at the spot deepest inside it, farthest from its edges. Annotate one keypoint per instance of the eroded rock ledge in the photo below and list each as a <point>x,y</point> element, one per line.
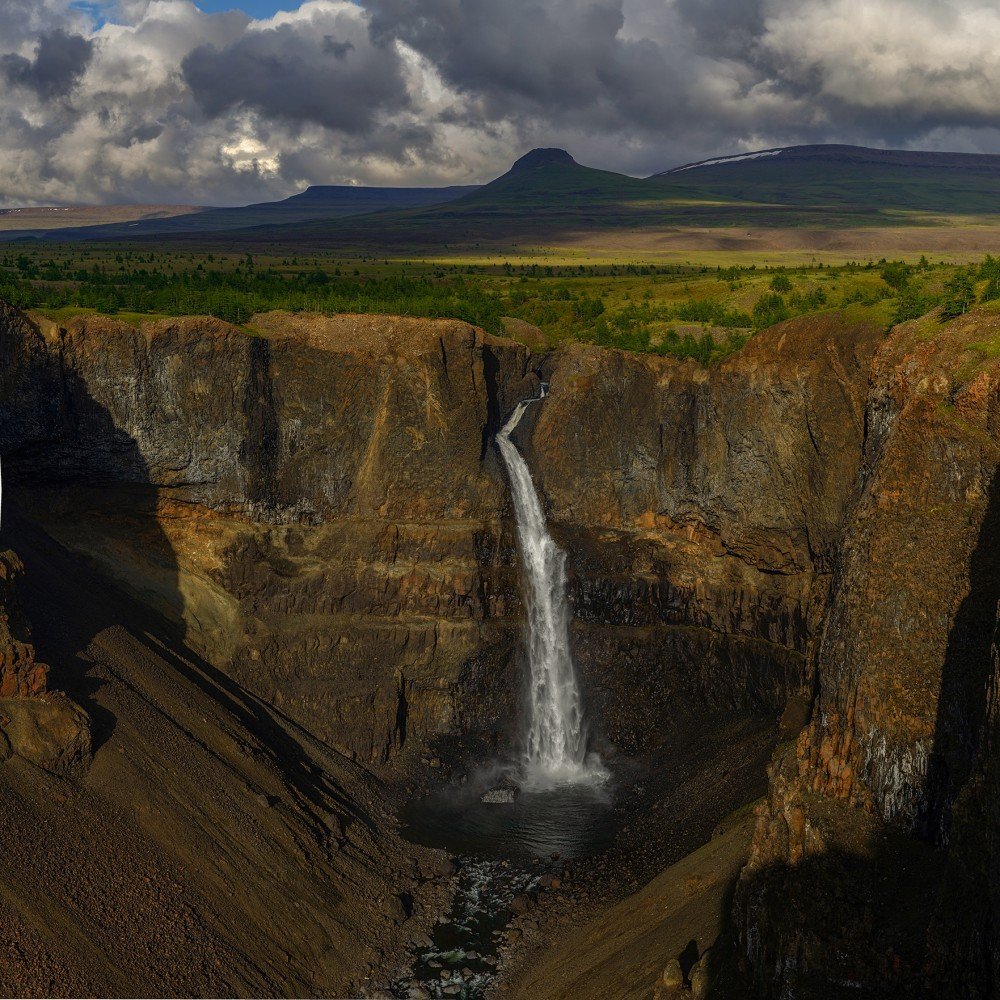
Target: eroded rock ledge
<point>42,726</point>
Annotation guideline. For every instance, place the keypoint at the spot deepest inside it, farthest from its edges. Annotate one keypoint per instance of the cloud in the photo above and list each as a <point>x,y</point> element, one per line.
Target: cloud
<point>58,64</point>
<point>320,67</point>
<point>163,102</point>
<point>923,63</point>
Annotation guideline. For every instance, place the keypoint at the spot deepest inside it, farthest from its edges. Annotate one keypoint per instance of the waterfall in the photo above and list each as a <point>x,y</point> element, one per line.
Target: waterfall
<point>556,739</point>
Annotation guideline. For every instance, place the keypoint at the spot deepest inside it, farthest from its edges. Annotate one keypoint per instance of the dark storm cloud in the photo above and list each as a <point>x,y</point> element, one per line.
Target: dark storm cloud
<point>724,27</point>
<point>59,61</point>
<point>549,56</point>
<point>146,133</point>
<point>689,77</point>
<point>290,72</point>
<point>600,74</point>
<point>335,48</point>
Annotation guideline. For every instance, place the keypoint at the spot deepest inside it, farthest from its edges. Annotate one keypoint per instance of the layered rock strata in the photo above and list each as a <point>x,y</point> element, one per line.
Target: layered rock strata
<point>704,509</point>
<point>319,501</point>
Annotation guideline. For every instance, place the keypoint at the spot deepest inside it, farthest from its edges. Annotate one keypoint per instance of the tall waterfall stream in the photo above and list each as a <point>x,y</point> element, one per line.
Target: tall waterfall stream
<point>556,747</point>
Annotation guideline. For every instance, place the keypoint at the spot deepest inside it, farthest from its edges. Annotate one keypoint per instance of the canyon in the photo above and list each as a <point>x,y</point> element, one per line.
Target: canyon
<point>275,574</point>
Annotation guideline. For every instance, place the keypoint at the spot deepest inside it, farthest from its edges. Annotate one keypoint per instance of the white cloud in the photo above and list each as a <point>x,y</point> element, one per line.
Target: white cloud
<point>920,59</point>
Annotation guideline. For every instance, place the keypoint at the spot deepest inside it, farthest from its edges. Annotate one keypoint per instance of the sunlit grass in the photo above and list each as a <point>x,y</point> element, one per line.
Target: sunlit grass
<point>694,308</point>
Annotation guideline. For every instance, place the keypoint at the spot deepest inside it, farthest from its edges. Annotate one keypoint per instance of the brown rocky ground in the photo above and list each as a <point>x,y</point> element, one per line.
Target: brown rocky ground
<point>212,847</point>
<point>623,950</point>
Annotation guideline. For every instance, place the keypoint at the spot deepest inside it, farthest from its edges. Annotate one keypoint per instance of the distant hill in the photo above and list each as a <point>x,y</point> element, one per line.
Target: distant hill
<point>859,178</point>
<point>549,180</point>
<point>544,192</point>
<point>846,199</point>
<point>321,202</point>
<point>547,198</point>
<point>34,221</point>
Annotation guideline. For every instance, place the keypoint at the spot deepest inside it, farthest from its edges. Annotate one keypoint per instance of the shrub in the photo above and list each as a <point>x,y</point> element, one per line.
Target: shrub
<point>769,309</point>
<point>896,274</point>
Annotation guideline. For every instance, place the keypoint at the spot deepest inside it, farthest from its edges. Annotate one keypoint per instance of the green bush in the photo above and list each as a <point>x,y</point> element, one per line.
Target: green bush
<point>896,274</point>
<point>769,309</point>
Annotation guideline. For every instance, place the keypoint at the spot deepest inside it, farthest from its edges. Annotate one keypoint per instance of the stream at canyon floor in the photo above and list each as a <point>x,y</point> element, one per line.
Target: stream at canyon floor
<point>504,852</point>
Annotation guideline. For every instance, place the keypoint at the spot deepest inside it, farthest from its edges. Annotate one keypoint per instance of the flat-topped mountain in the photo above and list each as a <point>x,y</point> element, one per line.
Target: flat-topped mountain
<point>827,176</point>
<point>319,202</point>
<point>542,157</point>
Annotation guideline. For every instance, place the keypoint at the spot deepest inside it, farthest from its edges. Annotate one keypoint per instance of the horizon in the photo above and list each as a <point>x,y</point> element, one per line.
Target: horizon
<point>711,160</point>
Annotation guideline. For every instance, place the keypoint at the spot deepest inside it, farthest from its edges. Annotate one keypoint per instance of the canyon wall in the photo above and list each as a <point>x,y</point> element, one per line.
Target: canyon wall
<point>319,502</point>
<point>703,509</point>
<point>875,861</point>
<point>313,502</point>
<point>316,504</point>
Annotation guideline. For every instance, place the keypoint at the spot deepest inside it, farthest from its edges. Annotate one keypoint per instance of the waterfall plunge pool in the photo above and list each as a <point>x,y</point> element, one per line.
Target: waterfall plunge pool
<point>504,851</point>
<point>571,819</point>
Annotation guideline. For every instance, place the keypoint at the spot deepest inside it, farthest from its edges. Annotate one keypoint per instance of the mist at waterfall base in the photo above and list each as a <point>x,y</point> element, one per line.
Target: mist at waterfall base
<point>571,819</point>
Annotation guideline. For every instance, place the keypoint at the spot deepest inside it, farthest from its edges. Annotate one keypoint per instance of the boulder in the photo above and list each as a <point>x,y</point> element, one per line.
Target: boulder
<point>699,978</point>
<point>502,794</point>
<point>52,731</point>
<point>673,976</point>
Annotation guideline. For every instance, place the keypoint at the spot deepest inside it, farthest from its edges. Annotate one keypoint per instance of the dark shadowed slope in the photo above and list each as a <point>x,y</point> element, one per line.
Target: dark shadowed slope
<point>324,202</point>
<point>213,848</point>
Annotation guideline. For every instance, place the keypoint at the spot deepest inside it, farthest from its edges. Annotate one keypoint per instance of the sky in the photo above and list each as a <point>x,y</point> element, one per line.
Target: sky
<point>255,8</point>
<point>166,101</point>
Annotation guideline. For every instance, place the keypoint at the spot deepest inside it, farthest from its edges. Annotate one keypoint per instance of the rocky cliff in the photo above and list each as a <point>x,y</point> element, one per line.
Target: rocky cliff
<point>316,506</point>
<point>874,861</point>
<point>315,501</point>
<point>319,501</point>
<point>703,509</point>
<point>40,725</point>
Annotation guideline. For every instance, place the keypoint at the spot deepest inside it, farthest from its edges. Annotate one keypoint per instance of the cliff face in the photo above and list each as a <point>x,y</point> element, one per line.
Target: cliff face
<point>315,502</point>
<point>40,725</point>
<point>321,504</point>
<point>20,675</point>
<point>703,509</point>
<point>888,787</point>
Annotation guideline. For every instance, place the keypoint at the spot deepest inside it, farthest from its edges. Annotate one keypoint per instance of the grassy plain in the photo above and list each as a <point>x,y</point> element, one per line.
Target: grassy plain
<point>704,307</point>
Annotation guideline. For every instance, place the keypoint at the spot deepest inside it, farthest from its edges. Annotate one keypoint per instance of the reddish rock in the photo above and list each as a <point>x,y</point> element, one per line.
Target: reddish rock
<point>901,741</point>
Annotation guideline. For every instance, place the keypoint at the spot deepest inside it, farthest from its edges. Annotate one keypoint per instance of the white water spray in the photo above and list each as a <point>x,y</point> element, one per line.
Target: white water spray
<point>557,739</point>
